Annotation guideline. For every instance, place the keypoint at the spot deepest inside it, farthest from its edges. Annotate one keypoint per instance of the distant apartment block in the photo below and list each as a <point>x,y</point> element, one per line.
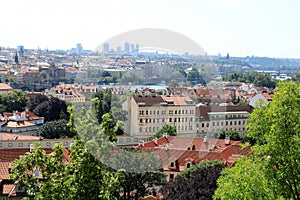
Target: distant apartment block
<point>222,117</point>
<point>147,114</point>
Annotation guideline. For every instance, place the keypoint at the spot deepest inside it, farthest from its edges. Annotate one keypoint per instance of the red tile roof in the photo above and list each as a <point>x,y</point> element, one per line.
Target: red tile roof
<point>28,115</point>
<point>148,100</point>
<point>4,86</point>
<point>175,149</point>
<point>178,100</point>
<point>10,136</point>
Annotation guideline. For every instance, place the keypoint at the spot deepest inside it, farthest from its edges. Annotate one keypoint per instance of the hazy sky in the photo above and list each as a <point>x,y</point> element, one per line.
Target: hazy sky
<point>239,27</point>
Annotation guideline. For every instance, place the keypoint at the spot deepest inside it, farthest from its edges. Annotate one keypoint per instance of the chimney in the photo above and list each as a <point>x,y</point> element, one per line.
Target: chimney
<point>205,139</point>
<point>227,140</point>
<point>166,147</point>
<point>165,135</point>
<point>155,140</point>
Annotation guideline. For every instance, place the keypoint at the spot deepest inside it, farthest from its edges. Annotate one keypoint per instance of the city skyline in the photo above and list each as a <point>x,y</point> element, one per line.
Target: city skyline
<point>237,27</point>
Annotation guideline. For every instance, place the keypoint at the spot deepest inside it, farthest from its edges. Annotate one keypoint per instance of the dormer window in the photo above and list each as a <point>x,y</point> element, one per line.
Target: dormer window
<point>172,164</point>
<point>188,165</point>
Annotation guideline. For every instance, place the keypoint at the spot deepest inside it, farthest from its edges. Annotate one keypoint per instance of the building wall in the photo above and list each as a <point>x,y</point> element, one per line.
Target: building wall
<point>223,121</point>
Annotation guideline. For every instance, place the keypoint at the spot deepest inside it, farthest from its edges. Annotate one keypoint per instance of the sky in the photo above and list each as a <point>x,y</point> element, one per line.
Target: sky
<point>239,27</point>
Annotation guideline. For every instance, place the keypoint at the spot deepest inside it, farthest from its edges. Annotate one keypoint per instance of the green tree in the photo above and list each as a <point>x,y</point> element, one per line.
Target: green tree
<point>197,182</point>
<point>141,171</point>
<point>52,109</point>
<point>14,101</point>
<point>276,130</point>
<point>102,103</point>
<point>82,177</point>
<point>56,129</point>
<point>246,180</point>
<point>296,77</point>
<point>35,101</point>
<point>166,129</point>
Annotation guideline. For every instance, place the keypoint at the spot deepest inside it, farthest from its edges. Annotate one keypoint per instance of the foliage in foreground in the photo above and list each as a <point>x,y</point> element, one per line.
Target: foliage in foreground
<point>83,177</point>
<point>276,173</point>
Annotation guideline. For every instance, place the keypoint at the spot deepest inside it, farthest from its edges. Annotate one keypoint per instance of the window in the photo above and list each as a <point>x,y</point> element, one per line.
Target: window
<point>178,119</point>
<point>146,112</point>
<point>141,120</point>
<point>157,112</point>
<point>170,119</point>
<point>146,120</point>
<point>153,120</point>
<point>188,165</point>
<point>202,125</point>
<point>149,120</point>
<point>172,164</point>
<point>175,112</point>
<point>170,112</point>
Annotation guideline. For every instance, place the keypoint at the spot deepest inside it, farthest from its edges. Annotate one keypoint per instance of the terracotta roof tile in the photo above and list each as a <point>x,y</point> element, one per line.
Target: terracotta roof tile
<point>148,100</point>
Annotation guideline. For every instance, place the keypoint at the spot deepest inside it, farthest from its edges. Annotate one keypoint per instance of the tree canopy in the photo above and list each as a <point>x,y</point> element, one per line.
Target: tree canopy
<point>82,177</point>
<point>197,182</point>
<point>165,129</point>
<point>141,171</point>
<point>14,101</point>
<point>52,109</point>
<point>276,130</point>
<point>258,79</point>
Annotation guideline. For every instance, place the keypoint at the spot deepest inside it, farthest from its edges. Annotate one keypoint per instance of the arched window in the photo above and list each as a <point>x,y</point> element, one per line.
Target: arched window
<point>188,165</point>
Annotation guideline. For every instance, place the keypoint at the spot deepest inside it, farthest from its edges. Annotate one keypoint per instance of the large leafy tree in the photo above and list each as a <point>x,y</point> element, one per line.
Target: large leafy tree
<point>246,180</point>
<point>14,101</point>
<point>35,101</point>
<point>276,129</point>
<point>82,177</point>
<point>56,129</point>
<point>165,129</point>
<point>52,109</point>
<point>102,103</point>
<point>141,171</point>
<point>197,182</point>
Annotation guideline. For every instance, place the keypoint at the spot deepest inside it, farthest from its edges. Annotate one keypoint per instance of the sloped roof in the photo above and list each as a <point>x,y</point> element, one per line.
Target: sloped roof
<point>148,100</point>
<point>4,86</point>
<point>10,136</point>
